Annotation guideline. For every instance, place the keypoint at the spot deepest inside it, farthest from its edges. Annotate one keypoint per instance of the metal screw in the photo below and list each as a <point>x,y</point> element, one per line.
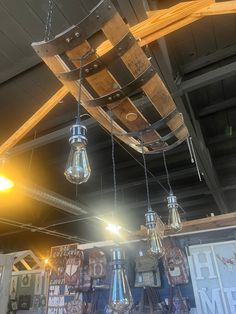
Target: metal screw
<point>86,70</point>
<point>117,95</point>
<point>120,48</point>
<point>68,40</point>
<point>110,98</point>
<point>95,66</point>
<point>77,34</point>
<point>97,17</point>
<point>109,7</point>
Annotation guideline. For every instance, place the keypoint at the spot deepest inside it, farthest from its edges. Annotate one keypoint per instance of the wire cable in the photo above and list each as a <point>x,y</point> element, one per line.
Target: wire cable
<point>113,163</point>
<point>48,26</point>
<point>167,173</point>
<point>146,179</point>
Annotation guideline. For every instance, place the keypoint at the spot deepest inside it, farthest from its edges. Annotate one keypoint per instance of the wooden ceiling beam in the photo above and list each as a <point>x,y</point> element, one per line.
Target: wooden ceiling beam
<point>33,120</point>
<point>163,22</point>
<point>219,8</point>
<point>207,78</point>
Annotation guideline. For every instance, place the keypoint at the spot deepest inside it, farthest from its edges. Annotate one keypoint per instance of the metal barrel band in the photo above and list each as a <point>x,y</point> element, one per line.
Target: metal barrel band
<point>76,34</point>
<point>165,138</point>
<point>155,126</point>
<point>166,148</point>
<point>123,92</point>
<point>101,62</point>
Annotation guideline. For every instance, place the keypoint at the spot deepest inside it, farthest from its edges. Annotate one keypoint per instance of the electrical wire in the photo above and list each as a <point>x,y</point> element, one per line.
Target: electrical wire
<point>141,164</point>
<point>33,228</point>
<point>146,179</point>
<point>80,89</point>
<point>113,164</point>
<point>167,173</point>
<point>81,59</point>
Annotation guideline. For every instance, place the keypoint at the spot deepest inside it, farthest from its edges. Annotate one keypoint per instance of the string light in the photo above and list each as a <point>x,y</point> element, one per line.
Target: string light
<point>78,169</point>
<point>5,184</point>
<point>154,241</point>
<point>174,220</point>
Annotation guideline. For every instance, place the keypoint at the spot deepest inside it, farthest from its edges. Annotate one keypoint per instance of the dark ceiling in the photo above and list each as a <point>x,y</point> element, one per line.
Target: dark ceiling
<point>198,66</point>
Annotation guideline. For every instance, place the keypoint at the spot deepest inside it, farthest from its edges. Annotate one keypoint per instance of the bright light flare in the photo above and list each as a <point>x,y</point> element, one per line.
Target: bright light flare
<point>5,184</point>
<point>46,261</point>
<point>113,228</point>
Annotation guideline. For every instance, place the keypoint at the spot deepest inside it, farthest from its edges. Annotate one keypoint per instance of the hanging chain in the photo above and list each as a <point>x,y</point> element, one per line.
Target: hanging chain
<point>113,162</point>
<point>167,173</point>
<point>146,178</point>
<point>48,26</point>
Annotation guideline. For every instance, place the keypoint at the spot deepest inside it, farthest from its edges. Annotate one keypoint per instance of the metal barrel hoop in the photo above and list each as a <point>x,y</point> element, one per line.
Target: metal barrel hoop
<point>77,34</point>
<point>123,92</point>
<point>166,148</point>
<point>101,62</point>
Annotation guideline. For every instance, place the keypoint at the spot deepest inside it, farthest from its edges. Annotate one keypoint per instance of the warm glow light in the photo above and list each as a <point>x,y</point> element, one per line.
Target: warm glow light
<point>46,260</point>
<point>113,228</point>
<point>5,183</point>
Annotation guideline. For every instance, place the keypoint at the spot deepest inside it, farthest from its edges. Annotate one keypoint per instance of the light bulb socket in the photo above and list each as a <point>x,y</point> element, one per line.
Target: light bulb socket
<point>78,135</point>
<point>172,201</point>
<point>117,257</point>
<point>151,218</point>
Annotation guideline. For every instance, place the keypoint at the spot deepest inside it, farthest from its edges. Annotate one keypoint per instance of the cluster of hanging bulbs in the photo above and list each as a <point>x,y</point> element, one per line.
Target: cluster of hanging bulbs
<point>78,171</point>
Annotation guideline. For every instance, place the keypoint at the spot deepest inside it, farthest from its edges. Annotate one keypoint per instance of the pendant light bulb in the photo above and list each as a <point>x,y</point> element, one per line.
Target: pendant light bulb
<point>77,167</point>
<point>154,242</point>
<point>174,221</point>
<point>120,299</point>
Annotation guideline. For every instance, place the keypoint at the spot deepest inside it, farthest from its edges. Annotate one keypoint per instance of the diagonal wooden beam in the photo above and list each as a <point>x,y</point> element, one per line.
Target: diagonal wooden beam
<point>219,8</point>
<point>33,120</point>
<point>162,22</point>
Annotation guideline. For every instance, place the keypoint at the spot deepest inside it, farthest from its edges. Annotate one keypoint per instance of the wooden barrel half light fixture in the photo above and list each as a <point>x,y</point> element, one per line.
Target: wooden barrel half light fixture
<point>111,79</point>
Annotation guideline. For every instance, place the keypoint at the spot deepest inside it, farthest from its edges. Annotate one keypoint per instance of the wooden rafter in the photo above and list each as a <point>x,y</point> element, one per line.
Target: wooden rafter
<point>219,8</point>
<point>163,22</point>
<point>33,120</point>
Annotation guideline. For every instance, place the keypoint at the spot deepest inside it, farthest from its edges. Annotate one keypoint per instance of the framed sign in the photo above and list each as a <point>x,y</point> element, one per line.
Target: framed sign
<point>213,272</point>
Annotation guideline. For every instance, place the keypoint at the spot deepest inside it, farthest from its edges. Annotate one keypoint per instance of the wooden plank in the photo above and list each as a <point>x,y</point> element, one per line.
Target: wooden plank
<point>209,59</point>
<point>199,225</point>
<point>106,85</point>
<point>208,78</point>
<point>219,8</point>
<point>128,12</point>
<point>136,61</point>
<point>33,120</point>
<point>57,65</point>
